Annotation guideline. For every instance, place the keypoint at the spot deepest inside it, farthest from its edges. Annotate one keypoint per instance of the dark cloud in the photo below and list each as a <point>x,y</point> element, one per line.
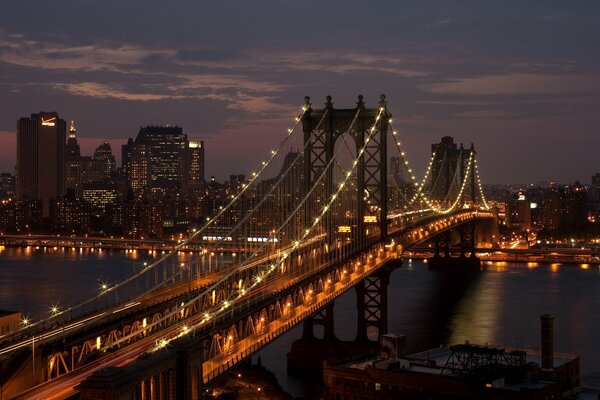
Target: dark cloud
<point>501,74</point>
<point>206,55</point>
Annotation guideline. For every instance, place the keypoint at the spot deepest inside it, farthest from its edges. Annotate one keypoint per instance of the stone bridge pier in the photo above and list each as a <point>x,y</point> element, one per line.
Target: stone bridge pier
<point>309,352</point>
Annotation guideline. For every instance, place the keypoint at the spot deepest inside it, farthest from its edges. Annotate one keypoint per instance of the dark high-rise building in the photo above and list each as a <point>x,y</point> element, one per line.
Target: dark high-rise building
<point>126,158</point>
<point>7,185</point>
<point>104,153</point>
<point>41,158</point>
<point>161,157</point>
<point>165,147</point>
<point>565,207</point>
<point>82,170</point>
<point>519,211</point>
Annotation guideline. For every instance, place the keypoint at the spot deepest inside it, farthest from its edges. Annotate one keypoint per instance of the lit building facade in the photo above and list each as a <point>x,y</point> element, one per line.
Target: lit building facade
<point>165,146</point>
<point>161,157</point>
<point>99,195</point>
<point>193,165</point>
<point>69,214</point>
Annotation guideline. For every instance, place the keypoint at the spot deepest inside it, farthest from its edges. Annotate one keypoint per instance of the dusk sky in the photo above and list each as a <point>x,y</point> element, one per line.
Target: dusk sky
<point>520,79</point>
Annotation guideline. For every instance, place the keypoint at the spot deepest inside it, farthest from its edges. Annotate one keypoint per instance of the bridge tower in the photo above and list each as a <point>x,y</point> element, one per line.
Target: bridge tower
<point>449,169</point>
<point>371,171</point>
<point>322,128</point>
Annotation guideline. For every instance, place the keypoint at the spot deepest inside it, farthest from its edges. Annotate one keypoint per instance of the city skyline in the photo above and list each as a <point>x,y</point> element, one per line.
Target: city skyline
<point>518,80</point>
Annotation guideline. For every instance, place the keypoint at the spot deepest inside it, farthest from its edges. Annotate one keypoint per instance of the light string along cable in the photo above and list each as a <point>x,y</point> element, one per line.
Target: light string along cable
<point>427,201</point>
<point>429,167</point>
<point>481,193</point>
<point>419,186</point>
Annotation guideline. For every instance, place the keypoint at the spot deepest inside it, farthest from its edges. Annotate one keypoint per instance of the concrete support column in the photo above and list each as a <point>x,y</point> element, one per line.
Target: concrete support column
<point>307,329</point>
<point>361,322</point>
<point>161,385</point>
<point>329,328</point>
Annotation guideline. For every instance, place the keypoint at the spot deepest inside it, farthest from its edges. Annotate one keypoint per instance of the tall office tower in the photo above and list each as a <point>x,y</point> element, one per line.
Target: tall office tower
<point>41,158</point>
<point>126,157</point>
<point>104,153</point>
<point>159,151</point>
<point>193,165</point>
<point>72,145</point>
<point>165,148</point>
<point>138,168</point>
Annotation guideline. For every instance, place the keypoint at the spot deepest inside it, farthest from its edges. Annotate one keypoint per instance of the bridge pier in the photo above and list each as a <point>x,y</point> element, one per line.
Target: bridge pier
<point>309,352</point>
<point>323,317</point>
<point>372,305</point>
<point>446,262</point>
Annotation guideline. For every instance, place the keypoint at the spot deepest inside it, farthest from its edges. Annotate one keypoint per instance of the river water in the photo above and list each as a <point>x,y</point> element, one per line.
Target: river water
<point>499,306</point>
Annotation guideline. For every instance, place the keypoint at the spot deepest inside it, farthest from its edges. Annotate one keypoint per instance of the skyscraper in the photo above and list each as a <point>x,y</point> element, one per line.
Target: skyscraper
<point>161,157</point>
<point>193,165</point>
<point>72,145</point>
<point>104,153</point>
<point>41,158</point>
<point>165,148</point>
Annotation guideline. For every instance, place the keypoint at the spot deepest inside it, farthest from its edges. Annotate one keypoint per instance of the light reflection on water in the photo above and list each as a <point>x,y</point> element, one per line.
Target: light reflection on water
<point>500,306</point>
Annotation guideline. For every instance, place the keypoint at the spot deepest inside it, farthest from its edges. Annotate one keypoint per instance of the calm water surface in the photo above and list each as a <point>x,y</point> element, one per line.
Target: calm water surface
<point>499,306</point>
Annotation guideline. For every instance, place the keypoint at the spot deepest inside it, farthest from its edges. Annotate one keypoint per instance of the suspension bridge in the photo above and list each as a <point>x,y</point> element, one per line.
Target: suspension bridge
<point>308,225</point>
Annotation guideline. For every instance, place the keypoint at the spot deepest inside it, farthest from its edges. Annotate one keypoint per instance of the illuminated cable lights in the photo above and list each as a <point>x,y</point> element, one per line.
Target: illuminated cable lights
<point>419,186</point>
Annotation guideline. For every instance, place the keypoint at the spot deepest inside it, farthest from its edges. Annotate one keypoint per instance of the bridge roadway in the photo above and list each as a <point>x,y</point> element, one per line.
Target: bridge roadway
<point>63,386</point>
<point>106,243</point>
<point>163,294</point>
